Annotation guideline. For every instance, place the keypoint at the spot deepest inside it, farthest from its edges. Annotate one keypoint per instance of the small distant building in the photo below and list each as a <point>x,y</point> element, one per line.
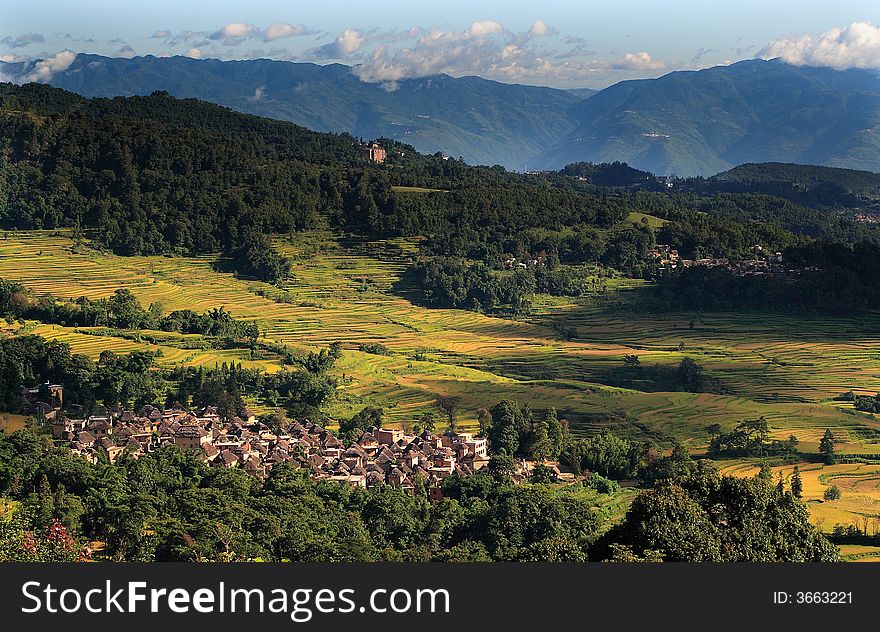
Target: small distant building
<point>43,401</point>
<point>387,436</point>
<point>374,152</point>
<point>190,437</point>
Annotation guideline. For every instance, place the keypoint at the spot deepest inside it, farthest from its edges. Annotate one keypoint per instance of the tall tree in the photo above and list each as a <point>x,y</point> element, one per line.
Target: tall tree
<point>827,445</point>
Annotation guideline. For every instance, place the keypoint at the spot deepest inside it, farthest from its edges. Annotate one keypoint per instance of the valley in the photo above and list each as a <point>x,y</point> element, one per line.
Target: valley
<point>787,369</point>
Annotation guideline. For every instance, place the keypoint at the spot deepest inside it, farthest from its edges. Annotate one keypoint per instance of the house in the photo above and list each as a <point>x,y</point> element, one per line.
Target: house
<point>387,436</point>
<point>189,437</point>
<point>44,402</point>
<point>374,152</point>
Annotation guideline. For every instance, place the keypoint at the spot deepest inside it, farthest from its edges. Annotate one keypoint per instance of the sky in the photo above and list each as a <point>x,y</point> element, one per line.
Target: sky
<point>552,42</point>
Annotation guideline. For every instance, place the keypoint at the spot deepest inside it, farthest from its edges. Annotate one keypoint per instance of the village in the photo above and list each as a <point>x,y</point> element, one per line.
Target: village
<point>770,263</point>
<point>379,456</point>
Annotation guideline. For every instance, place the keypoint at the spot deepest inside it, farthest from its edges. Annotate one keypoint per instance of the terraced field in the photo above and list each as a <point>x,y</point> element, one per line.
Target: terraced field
<point>786,369</point>
<point>782,368</point>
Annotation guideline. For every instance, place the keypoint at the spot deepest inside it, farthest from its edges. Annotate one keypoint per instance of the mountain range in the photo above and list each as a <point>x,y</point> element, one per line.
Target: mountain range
<point>686,123</point>
<point>703,122</point>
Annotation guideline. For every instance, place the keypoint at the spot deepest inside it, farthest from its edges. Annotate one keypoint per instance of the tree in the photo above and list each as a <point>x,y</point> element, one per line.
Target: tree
<point>540,447</point>
<point>797,485</point>
<point>832,493</point>
<point>690,375</point>
<point>484,419</point>
<point>555,433</point>
<point>510,422</point>
<point>541,474</point>
<point>366,418</point>
<point>449,404</point>
<point>826,446</point>
<point>427,422</point>
<point>632,362</point>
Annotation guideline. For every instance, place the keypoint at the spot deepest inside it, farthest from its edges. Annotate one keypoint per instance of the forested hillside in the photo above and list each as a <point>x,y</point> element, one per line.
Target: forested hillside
<point>484,121</point>
<point>155,174</point>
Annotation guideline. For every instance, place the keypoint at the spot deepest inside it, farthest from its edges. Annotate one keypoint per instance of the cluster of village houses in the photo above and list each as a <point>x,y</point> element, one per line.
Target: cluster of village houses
<point>667,258</point>
<point>378,456</point>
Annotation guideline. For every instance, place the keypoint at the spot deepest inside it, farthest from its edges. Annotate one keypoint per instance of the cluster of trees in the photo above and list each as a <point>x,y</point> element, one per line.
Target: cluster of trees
<point>701,516</point>
<point>148,175</point>
<point>614,174</point>
<point>514,431</point>
<point>255,256</point>
<point>610,456</point>
<point>171,506</point>
<point>301,392</point>
<point>122,310</point>
<point>750,438</point>
<point>865,403</point>
<point>450,282</point>
<point>132,380</point>
<point>687,376</point>
<point>807,184</point>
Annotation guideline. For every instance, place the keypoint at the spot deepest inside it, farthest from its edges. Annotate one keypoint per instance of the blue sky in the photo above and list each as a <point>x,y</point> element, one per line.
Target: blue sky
<point>559,43</point>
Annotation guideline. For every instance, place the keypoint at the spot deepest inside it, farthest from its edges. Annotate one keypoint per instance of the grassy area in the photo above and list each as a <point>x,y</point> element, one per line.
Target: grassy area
<point>860,553</point>
<point>10,422</point>
<point>785,369</point>
<point>402,189</point>
<point>651,220</point>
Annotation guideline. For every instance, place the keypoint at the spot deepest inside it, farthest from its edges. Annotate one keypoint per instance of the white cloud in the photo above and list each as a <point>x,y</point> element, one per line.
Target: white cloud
<point>540,29</point>
<point>538,54</point>
<point>489,50</point>
<point>193,53</point>
<point>45,69</point>
<point>10,58</point>
<point>259,93</point>
<point>485,27</point>
<point>280,30</point>
<point>234,33</point>
<point>637,61</point>
<point>346,43</point>
<point>853,46</point>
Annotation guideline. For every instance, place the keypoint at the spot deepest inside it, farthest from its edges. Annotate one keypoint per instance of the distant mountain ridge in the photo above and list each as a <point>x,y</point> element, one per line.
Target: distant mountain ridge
<point>685,123</point>
<point>707,121</point>
<point>484,121</point>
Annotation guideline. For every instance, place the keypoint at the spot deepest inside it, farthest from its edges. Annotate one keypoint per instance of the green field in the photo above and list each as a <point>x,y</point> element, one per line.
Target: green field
<point>403,189</point>
<point>785,368</point>
<point>652,221</point>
